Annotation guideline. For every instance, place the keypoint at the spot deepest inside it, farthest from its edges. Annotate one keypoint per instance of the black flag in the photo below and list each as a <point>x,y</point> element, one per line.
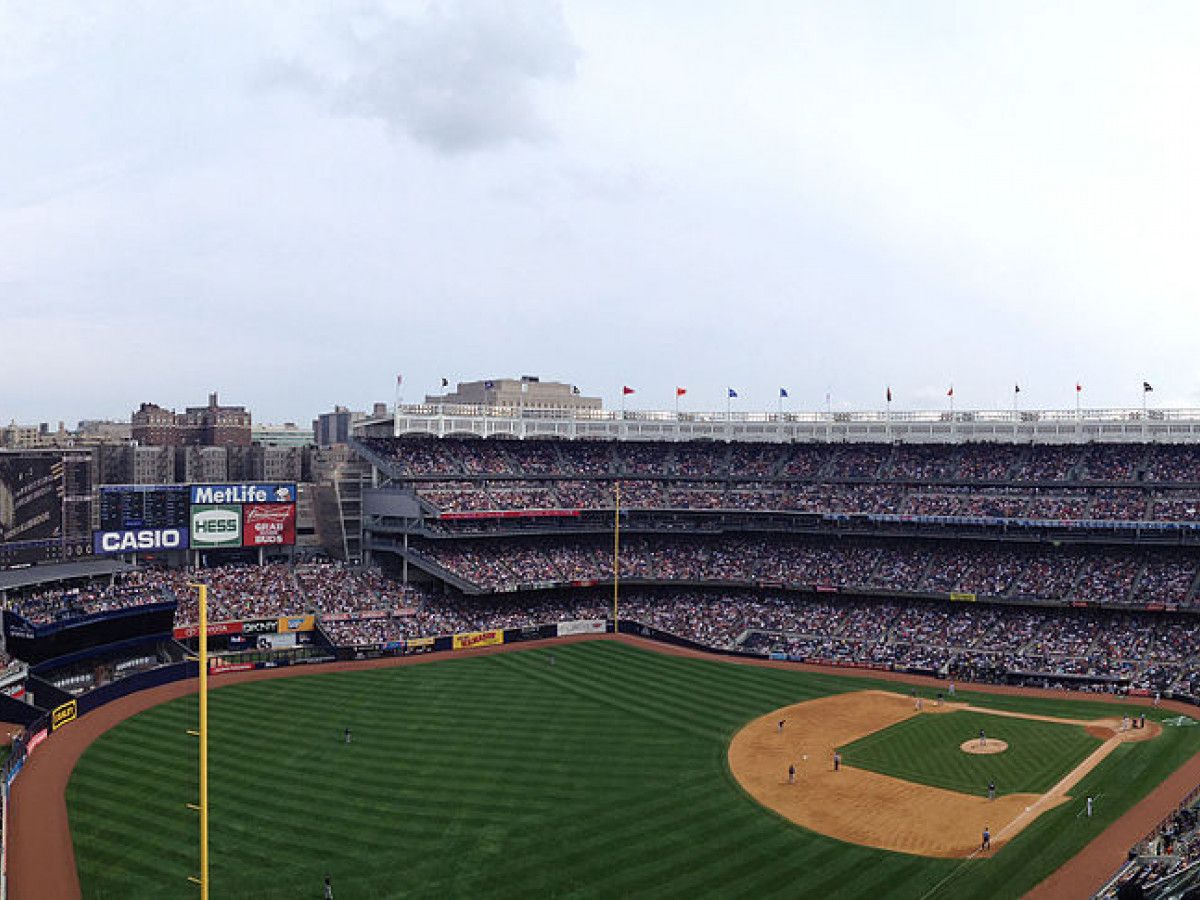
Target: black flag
<point>445,383</point>
<point>1146,388</point>
<point>1016,389</point>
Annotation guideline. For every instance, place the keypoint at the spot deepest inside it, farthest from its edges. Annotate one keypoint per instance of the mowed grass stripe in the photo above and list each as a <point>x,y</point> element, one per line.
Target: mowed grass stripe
<point>502,776</point>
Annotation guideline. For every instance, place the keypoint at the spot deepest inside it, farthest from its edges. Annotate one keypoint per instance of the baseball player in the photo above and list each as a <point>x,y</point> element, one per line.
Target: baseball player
<point>991,790</point>
<point>837,760</point>
<point>987,839</point>
<point>982,738</point>
<point>792,774</point>
<point>328,888</point>
<point>781,721</point>
<point>347,734</point>
<point>551,659</point>
<point>1089,807</point>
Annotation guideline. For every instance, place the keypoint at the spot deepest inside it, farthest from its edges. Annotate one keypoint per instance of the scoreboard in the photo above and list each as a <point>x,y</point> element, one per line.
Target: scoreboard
<point>45,506</point>
<point>151,518</point>
<point>136,506</point>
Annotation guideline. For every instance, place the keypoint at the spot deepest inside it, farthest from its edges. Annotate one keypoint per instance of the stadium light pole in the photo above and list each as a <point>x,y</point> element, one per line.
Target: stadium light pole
<point>203,735</point>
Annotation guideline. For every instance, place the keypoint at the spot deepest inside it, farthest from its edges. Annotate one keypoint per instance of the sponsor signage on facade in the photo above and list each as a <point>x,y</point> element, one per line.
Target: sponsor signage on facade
<point>219,494</point>
<point>478,639</point>
<point>63,714</point>
<point>260,626</point>
<point>288,624</point>
<point>216,525</point>
<point>582,626</point>
<point>269,524</point>
<point>139,540</point>
<point>214,628</point>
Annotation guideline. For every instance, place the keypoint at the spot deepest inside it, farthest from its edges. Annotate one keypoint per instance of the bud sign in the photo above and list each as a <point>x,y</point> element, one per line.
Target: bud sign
<point>269,524</point>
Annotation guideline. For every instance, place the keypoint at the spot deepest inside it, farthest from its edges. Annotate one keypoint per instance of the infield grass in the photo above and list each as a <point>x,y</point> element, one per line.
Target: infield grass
<point>603,775</point>
<point>926,749</point>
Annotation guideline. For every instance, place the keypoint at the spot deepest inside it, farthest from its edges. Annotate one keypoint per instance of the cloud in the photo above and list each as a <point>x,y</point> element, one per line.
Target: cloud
<point>454,76</point>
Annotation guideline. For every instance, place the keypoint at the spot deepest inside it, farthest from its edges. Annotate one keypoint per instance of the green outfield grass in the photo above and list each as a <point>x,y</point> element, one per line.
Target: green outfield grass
<point>604,775</point>
<point>925,748</point>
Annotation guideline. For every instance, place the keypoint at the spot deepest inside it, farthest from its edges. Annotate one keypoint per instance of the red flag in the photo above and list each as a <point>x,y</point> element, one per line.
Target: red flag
<point>1078,387</point>
<point>889,393</point>
<point>679,392</point>
<point>626,390</point>
<point>950,393</point>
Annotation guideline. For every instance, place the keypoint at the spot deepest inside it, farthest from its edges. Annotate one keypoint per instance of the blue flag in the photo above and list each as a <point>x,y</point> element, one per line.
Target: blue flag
<point>783,392</point>
<point>489,385</point>
<point>732,392</point>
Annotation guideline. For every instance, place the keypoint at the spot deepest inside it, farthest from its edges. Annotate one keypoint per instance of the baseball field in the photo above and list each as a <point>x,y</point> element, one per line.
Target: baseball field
<point>594,769</point>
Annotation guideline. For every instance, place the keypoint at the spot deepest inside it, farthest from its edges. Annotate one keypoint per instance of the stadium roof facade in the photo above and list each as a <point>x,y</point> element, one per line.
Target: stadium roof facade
<point>1082,426</point>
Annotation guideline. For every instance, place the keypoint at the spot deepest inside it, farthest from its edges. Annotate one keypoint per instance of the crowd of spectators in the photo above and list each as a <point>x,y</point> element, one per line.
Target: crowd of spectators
<point>126,590</point>
<point>1164,864</point>
<point>1105,575</point>
<point>718,460</point>
<point>1151,652</point>
<point>1108,482</point>
<point>1063,504</point>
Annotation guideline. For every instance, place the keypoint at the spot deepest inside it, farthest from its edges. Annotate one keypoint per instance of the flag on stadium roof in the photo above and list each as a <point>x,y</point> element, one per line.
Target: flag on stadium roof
<point>1146,387</point>
<point>783,392</point>
<point>626,390</point>
<point>445,382</point>
<point>732,392</point>
<point>950,393</point>
<point>489,385</point>
<point>1078,387</point>
<point>399,379</point>
<point>1016,389</point>
<point>889,394</point>
<point>679,392</point>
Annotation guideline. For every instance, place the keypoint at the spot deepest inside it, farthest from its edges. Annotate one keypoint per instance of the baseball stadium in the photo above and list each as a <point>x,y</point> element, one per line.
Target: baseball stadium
<point>564,652</point>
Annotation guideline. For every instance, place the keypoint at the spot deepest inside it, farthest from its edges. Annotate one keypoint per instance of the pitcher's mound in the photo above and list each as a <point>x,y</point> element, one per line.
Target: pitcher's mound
<point>991,745</point>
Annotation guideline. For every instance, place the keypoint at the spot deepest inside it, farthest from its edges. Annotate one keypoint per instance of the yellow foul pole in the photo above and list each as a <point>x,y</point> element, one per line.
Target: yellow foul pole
<point>616,556</point>
<point>203,879</point>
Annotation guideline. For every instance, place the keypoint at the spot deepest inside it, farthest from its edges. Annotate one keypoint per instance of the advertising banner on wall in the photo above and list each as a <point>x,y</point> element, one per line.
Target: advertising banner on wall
<point>63,714</point>
<point>268,524</point>
<point>214,628</point>
<point>478,639</point>
<point>288,624</point>
<point>220,494</point>
<point>216,525</point>
<point>581,626</point>
<point>139,540</point>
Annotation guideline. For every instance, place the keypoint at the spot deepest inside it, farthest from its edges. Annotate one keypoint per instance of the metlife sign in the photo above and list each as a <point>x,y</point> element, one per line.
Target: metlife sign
<point>209,494</point>
<point>139,540</point>
<point>216,525</point>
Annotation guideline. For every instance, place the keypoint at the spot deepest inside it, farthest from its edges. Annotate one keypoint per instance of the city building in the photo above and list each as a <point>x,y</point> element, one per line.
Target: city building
<point>286,435</point>
<point>527,392</point>
<point>213,425</point>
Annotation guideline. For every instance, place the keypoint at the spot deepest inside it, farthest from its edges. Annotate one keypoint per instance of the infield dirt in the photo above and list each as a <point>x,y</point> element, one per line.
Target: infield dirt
<point>875,810</point>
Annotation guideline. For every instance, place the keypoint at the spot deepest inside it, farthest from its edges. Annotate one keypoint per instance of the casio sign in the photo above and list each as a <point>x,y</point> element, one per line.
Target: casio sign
<point>139,540</point>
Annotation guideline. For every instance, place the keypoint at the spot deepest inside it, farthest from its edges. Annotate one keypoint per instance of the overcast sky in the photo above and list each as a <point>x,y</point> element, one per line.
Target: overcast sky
<point>293,202</point>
